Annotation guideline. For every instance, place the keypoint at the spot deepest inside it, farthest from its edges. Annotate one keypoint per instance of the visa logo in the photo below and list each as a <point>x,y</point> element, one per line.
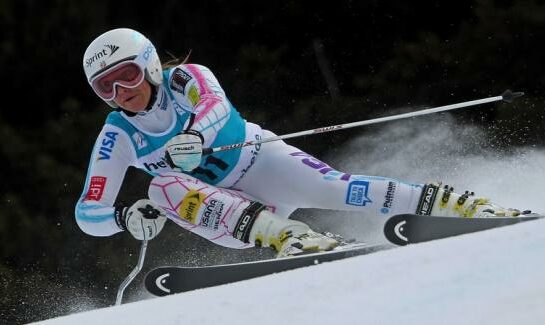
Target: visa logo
<point>107,145</point>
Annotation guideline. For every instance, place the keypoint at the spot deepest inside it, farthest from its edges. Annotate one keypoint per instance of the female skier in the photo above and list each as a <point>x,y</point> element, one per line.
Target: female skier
<point>237,198</point>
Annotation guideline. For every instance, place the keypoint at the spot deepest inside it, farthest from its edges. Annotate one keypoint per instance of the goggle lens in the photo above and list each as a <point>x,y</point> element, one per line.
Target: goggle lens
<point>127,74</point>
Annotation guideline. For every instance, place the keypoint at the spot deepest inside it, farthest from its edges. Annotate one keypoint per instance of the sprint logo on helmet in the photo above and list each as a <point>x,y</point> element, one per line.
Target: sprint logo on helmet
<point>107,51</point>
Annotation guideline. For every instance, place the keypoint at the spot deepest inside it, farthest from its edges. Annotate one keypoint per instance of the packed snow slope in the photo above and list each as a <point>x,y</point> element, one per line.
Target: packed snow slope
<point>490,277</point>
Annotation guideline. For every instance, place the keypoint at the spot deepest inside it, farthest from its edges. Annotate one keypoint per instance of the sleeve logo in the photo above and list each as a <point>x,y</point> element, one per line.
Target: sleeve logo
<point>96,188</point>
<point>179,80</point>
<point>107,145</point>
<point>193,95</point>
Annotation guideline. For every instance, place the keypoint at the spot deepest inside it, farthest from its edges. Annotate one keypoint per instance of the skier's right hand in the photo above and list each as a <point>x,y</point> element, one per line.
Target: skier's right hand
<point>144,219</point>
<point>185,150</point>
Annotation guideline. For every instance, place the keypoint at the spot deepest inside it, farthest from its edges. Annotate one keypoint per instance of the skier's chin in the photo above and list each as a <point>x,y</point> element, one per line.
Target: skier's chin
<point>133,104</point>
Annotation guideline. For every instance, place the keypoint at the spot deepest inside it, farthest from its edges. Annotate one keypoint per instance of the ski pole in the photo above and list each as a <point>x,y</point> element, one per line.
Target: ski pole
<point>133,273</point>
<point>507,96</point>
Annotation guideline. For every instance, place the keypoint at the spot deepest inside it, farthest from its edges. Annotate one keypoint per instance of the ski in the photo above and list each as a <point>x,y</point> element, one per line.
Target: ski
<point>403,229</point>
<point>400,230</point>
<point>167,280</point>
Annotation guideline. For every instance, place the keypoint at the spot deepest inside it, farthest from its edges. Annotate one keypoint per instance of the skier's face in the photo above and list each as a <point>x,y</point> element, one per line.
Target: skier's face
<point>133,99</point>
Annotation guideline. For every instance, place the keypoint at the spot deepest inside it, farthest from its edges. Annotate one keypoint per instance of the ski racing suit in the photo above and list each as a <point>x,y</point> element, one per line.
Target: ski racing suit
<point>209,200</point>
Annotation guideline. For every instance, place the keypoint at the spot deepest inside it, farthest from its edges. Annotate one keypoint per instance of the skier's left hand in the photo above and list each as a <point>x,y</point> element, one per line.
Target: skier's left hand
<point>185,150</point>
<point>144,219</point>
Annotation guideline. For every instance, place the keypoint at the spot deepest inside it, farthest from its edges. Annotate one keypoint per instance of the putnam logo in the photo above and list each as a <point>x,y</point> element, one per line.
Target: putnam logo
<point>191,203</point>
<point>389,198</point>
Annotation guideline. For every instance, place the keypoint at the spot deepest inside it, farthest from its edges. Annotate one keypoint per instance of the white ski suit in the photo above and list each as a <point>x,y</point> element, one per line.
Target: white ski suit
<point>209,200</point>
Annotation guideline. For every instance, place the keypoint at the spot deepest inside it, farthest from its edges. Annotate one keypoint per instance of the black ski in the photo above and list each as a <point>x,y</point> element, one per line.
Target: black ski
<point>174,279</point>
<point>400,230</point>
<point>406,229</point>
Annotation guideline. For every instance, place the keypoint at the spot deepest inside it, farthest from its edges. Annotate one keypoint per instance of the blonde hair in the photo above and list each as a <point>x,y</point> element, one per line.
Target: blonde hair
<point>175,61</point>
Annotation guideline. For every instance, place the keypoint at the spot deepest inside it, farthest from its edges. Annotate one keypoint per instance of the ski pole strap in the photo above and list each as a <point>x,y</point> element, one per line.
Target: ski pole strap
<point>246,221</point>
<point>119,214</point>
<point>191,121</point>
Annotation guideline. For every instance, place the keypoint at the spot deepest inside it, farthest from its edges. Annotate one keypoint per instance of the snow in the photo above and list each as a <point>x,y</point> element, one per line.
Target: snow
<point>492,277</point>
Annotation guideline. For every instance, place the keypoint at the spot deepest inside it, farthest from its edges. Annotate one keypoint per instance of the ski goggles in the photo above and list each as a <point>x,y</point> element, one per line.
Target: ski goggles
<point>128,74</point>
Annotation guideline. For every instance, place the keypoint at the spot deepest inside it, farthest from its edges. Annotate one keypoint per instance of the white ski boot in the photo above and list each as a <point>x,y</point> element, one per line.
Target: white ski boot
<point>443,201</point>
<point>309,242</point>
<point>288,237</point>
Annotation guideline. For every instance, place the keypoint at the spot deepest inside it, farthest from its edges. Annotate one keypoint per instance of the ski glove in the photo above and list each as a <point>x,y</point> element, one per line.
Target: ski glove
<point>185,150</point>
<point>144,219</point>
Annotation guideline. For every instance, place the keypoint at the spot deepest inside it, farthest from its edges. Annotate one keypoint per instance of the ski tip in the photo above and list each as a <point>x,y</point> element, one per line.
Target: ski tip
<point>397,229</point>
<point>508,96</point>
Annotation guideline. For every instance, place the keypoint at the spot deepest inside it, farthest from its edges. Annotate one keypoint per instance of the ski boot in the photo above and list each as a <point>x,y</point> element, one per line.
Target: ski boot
<point>288,237</point>
<point>305,243</point>
<point>440,200</point>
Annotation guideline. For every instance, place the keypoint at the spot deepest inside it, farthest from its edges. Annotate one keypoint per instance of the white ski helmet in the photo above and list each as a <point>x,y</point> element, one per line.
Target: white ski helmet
<point>121,45</point>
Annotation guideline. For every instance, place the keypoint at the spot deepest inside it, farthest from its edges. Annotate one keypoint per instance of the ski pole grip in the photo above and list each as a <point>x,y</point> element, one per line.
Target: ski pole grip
<point>207,151</point>
<point>508,96</point>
